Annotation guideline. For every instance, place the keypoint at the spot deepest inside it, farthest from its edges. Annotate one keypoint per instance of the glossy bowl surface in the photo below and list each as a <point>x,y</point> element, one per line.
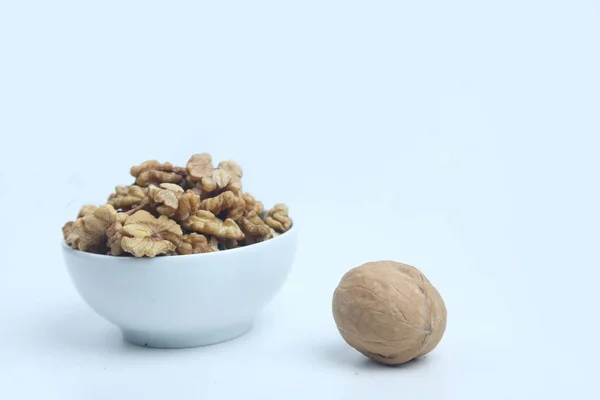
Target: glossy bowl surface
<point>183,301</point>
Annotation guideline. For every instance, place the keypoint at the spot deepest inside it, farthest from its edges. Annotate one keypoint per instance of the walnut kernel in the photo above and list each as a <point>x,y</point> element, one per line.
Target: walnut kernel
<point>153,172</point>
<point>278,218</point>
<point>127,197</point>
<point>226,201</point>
<point>206,222</point>
<point>235,172</point>
<point>146,235</point>
<point>88,233</point>
<point>194,243</point>
<point>170,210</point>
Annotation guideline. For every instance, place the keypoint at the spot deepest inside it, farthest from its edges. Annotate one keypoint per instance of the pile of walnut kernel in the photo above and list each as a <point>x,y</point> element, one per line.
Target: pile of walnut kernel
<point>172,210</point>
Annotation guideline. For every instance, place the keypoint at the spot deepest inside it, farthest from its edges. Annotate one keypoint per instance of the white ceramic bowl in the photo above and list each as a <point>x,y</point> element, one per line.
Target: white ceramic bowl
<point>183,301</point>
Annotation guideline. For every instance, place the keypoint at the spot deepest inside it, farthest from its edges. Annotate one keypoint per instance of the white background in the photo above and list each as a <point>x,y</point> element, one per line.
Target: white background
<point>457,136</point>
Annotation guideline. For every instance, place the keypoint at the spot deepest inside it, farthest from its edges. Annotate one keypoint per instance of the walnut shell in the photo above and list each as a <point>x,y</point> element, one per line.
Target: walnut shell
<point>389,312</point>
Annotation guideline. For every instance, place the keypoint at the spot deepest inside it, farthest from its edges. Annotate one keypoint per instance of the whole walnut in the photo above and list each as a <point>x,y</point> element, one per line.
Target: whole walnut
<point>389,312</point>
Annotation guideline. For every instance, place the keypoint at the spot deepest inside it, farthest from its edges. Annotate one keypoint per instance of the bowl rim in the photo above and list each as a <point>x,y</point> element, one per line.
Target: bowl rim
<point>178,256</point>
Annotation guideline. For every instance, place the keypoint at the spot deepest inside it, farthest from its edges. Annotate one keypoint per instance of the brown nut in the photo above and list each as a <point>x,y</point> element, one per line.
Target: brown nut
<point>200,172</point>
<point>213,242</point>
<point>153,172</point>
<point>171,200</point>
<point>127,197</point>
<point>88,233</point>
<point>226,244</point>
<point>226,201</point>
<point>389,312</point>
<point>206,222</point>
<point>145,235</point>
<point>278,219</point>
<point>114,234</point>
<point>202,175</point>
<point>252,225</point>
<point>203,193</point>
<point>86,209</point>
<point>194,243</point>
<point>189,203</point>
<point>221,178</point>
<point>199,166</point>
<point>253,205</point>
<point>165,197</point>
<point>257,239</point>
<point>235,172</point>
<point>205,200</point>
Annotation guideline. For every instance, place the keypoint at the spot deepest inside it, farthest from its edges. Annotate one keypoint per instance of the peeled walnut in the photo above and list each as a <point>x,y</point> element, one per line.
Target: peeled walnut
<point>260,238</point>
<point>278,218</point>
<point>253,226</point>
<point>200,170</point>
<point>153,172</point>
<point>114,234</point>
<point>235,172</point>
<point>205,200</point>
<point>165,197</point>
<point>88,233</point>
<point>205,177</point>
<point>213,242</point>
<point>221,178</point>
<point>206,222</point>
<point>251,204</point>
<point>172,201</point>
<point>226,201</point>
<point>226,244</point>
<point>127,197</point>
<point>199,166</point>
<point>389,312</point>
<point>189,203</point>
<point>194,243</point>
<point>146,235</point>
<point>86,209</point>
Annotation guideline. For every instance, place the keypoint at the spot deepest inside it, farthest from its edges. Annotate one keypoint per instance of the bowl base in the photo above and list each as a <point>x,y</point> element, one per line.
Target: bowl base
<point>179,340</point>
